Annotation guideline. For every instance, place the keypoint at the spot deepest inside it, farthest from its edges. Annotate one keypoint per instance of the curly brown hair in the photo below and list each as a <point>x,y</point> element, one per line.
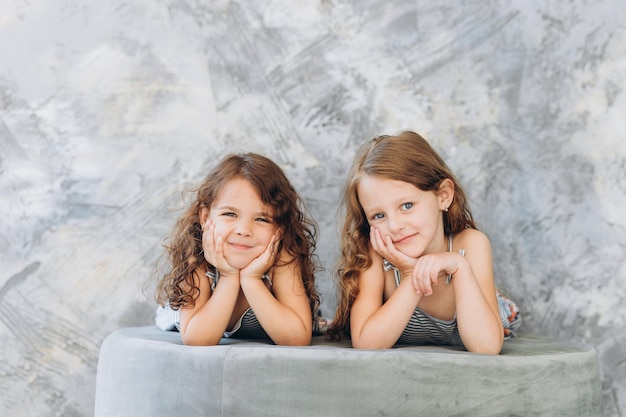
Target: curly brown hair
<point>184,249</point>
<point>404,157</point>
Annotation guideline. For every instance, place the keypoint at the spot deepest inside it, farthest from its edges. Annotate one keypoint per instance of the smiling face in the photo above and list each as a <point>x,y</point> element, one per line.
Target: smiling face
<point>410,216</point>
<point>242,220</point>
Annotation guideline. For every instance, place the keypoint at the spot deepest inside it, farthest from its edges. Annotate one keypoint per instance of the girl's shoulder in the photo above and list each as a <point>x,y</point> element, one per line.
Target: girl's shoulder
<point>285,264</point>
<point>470,238</point>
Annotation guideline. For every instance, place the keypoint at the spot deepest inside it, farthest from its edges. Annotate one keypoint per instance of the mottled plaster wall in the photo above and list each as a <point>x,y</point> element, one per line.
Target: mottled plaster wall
<point>108,110</point>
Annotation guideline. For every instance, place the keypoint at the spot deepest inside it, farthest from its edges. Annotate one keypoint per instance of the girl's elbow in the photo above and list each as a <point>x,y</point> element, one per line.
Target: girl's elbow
<point>294,340</point>
<point>303,341</point>
<point>362,343</point>
<point>301,338</point>
<point>489,348</point>
<point>358,344</point>
<point>199,343</point>
<point>193,340</point>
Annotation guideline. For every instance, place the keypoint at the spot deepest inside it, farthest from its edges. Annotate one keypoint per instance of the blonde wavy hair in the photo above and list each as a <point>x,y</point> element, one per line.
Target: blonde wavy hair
<point>406,157</point>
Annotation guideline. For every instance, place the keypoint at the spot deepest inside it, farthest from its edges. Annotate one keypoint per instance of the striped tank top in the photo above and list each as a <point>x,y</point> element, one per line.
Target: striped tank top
<point>248,326</point>
<point>423,329</point>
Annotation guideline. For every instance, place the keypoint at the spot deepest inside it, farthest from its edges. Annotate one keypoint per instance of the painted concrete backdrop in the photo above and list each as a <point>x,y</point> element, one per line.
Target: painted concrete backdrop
<point>110,109</point>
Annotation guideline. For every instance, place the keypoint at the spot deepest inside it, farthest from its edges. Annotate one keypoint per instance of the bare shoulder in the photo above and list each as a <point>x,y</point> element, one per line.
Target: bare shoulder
<point>284,258</point>
<point>478,253</point>
<point>200,281</point>
<point>471,238</point>
<point>286,269</point>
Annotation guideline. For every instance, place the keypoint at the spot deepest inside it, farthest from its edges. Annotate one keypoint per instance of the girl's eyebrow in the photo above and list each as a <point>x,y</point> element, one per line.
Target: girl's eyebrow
<point>371,211</point>
<point>229,208</point>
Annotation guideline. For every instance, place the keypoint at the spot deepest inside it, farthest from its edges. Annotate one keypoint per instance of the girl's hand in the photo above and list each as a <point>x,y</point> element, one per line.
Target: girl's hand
<point>385,248</point>
<point>429,268</point>
<point>214,250</point>
<point>262,263</point>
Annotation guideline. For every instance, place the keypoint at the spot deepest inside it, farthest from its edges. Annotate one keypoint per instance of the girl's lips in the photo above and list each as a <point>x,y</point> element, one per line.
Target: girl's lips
<point>403,239</point>
<point>239,246</point>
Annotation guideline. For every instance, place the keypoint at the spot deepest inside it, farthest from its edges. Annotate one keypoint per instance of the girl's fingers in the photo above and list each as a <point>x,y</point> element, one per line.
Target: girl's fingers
<point>266,259</point>
<point>213,248</point>
<point>219,247</point>
<point>383,243</point>
<point>416,278</point>
<point>269,253</point>
<point>423,274</point>
<point>208,243</point>
<point>221,263</point>
<point>380,244</point>
<point>375,240</point>
<point>272,246</point>
<point>424,281</point>
<point>414,282</point>
<point>212,242</point>
<point>389,244</point>
<point>434,277</point>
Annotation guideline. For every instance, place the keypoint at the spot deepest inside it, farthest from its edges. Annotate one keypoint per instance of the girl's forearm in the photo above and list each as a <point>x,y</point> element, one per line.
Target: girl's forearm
<point>480,327</point>
<point>383,327</point>
<point>282,323</point>
<point>206,326</point>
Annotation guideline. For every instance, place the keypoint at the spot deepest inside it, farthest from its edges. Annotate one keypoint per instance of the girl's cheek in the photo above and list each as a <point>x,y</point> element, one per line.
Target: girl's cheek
<point>219,230</point>
<point>382,231</point>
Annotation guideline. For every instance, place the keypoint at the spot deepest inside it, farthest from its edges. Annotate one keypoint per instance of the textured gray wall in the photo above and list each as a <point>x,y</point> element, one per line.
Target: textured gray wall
<point>109,109</point>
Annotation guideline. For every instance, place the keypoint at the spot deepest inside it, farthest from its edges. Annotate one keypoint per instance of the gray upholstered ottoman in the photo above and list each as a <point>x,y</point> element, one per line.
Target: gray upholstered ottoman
<point>144,371</point>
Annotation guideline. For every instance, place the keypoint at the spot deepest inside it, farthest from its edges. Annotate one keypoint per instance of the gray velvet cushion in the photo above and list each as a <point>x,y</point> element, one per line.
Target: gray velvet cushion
<point>144,371</point>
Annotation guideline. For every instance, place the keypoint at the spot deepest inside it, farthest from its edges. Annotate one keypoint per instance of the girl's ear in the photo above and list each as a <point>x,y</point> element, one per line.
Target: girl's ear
<point>204,215</point>
<point>445,194</point>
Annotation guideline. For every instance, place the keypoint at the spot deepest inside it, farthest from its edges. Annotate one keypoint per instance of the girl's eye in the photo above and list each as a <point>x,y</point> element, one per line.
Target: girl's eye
<point>378,216</point>
<point>263,219</point>
<point>229,214</point>
<point>407,206</point>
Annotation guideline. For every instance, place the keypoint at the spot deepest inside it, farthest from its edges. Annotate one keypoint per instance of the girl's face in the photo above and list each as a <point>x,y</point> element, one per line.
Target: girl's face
<point>243,221</point>
<point>410,216</point>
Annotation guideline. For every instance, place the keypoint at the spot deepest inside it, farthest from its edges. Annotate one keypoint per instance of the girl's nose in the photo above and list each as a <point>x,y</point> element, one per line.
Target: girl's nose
<point>243,228</point>
<point>394,224</point>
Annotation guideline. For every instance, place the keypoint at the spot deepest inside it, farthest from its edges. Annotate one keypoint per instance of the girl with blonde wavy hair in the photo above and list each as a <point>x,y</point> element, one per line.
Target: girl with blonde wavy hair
<point>241,259</point>
<point>414,268</point>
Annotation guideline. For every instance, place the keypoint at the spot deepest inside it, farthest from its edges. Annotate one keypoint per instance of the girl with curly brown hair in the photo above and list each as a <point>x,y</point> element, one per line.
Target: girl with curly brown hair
<point>242,261</point>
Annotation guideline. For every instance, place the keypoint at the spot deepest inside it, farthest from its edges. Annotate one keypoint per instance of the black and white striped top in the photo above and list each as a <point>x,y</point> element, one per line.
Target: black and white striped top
<point>248,326</point>
<point>423,329</point>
